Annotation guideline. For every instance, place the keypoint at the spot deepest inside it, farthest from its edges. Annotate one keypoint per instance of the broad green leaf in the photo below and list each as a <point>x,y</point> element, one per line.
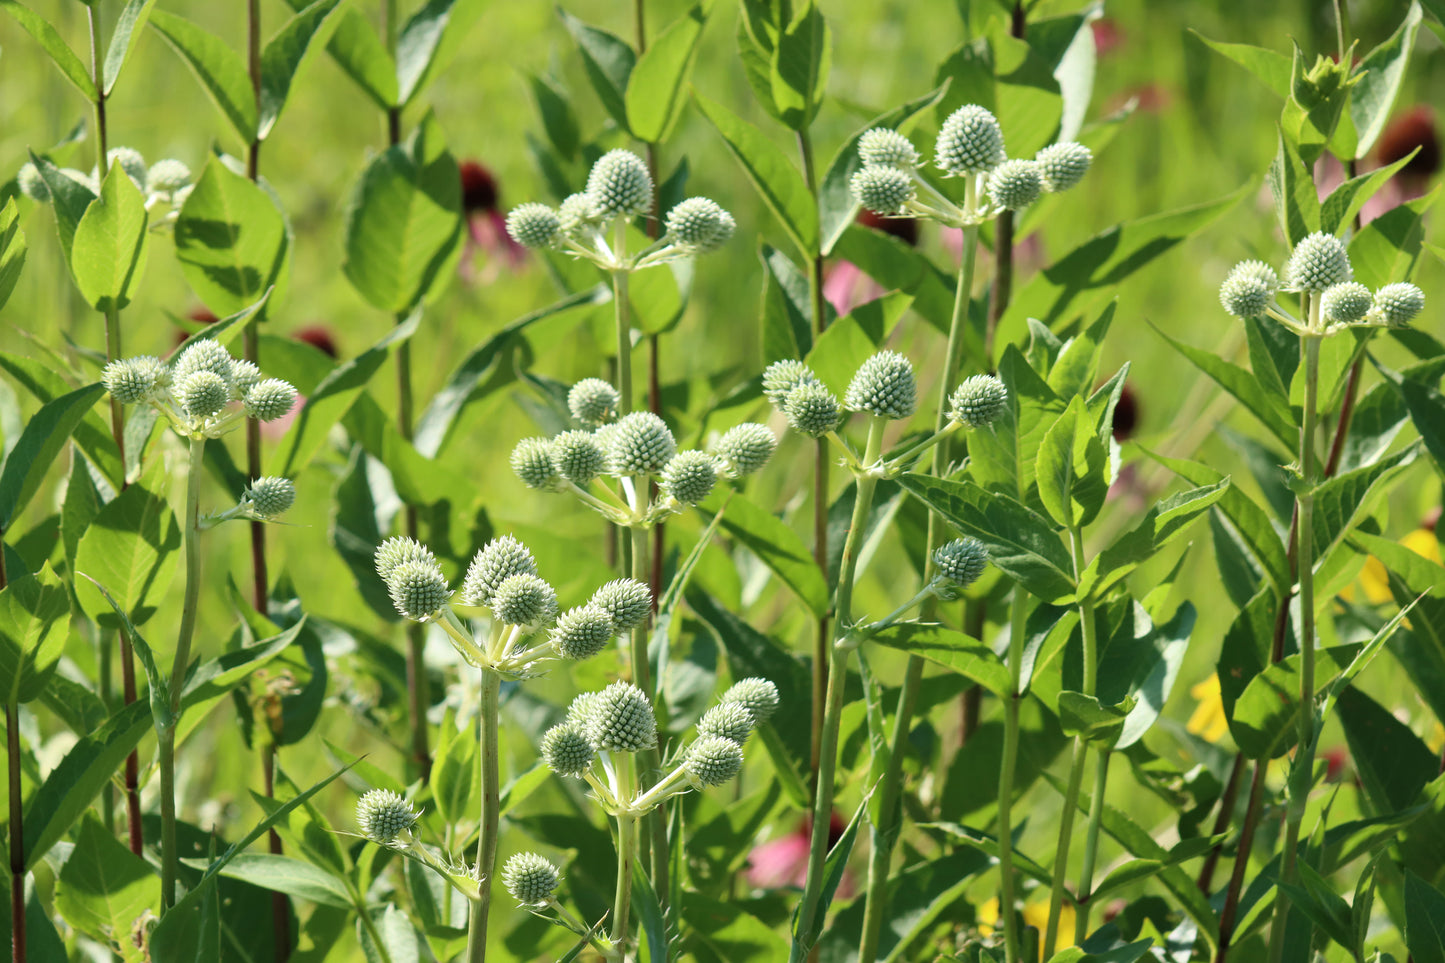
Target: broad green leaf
<point>1345,201</point>
<point>771,174</point>
<point>1150,666</point>
<point>559,118</point>
<point>132,547</point>
<point>1293,187</point>
<point>777,546</point>
<point>1005,458</point>
<point>404,224</point>
<point>1029,104</point>
<point>834,866</point>
<point>108,253</point>
<point>232,241</point>
<point>608,61</point>
<point>104,888</point>
<point>656,89</point>
<point>786,318</point>
<point>1269,66</point>
<point>61,55</point>
<point>758,67</point>
<point>893,263</point>
<point>799,69</point>
<point>283,874</point>
<point>850,340</point>
<point>1424,920</point>
<point>45,434</point>
<point>1072,468</point>
<point>284,53</point>
<point>1418,572</point>
<point>720,932</point>
<point>1381,74</point>
<point>1128,953</point>
<point>361,55</point>
<point>1339,502</point>
<point>950,649</point>
<point>68,198</point>
<point>1084,715</point>
<point>1163,523</point>
<point>1266,717</point>
<point>454,771</point>
<point>1271,410</point>
<point>1136,870</point>
<point>34,624</point>
<point>122,40</point>
<point>1394,764</point>
<point>219,69</point>
<point>427,41</point>
<point>1388,247</point>
<point>12,249</point>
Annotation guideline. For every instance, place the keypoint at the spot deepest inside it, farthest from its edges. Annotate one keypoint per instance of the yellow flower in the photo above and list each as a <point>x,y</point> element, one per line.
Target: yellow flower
<point>1375,578</point>
<point>1035,915</point>
<point>1208,721</point>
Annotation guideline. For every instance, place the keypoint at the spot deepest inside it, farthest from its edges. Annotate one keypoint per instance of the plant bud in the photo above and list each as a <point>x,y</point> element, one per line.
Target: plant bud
<point>497,561</point>
<point>398,549</point>
<point>532,461</point>
<point>978,401</point>
<point>530,879</point>
<point>628,601</point>
<point>269,400</point>
<point>1318,261</point>
<point>758,696</point>
<point>576,215</point>
<point>525,600</point>
<point>577,457</point>
<point>1346,303</point>
<point>418,589</point>
<point>383,816</point>
<point>641,445</point>
<point>244,377</point>
<point>884,386</point>
<point>883,190</point>
<point>690,476</point>
<point>1061,166</point>
<point>1247,290</point>
<point>881,147</point>
<point>593,402</point>
<point>746,448</point>
<point>960,562</point>
<point>812,410</point>
<point>130,161</point>
<point>622,720</point>
<point>167,176</point>
<point>566,751</point>
<point>695,224</point>
<point>128,381</point>
<point>579,713</point>
<point>583,632</point>
<point>534,225</point>
<point>726,227</point>
<point>730,720</point>
<point>970,142</point>
<point>203,394</point>
<point>1015,184</point>
<point>203,354</point>
<point>1398,304</point>
<point>713,760</point>
<point>781,377</point>
<point>270,497</point>
<point>619,185</point>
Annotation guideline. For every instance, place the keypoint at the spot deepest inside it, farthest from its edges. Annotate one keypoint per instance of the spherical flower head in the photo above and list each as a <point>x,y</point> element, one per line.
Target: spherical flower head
<point>812,409</point>
<point>730,720</point>
<point>781,377</point>
<point>579,713</point>
<point>1346,303</point>
<point>713,760</point>
<point>726,227</point>
<point>690,476</point>
<point>978,401</point>
<point>566,750</point>
<point>884,386</point>
<point>627,600</point>
<point>576,215</point>
<point>883,190</point>
<point>497,561</point>
<point>1015,184</point>
<point>641,445</point>
<point>418,589</point>
<point>398,549</point>
<point>622,720</point>
<point>593,402</point>
<point>1247,291</point>
<point>31,184</point>
<point>1061,166</point>
<point>525,600</point>
<point>203,354</point>
<point>694,224</point>
<point>746,448</point>
<point>130,161</point>
<point>1398,304</point>
<point>758,696</point>
<point>203,394</point>
<point>244,377</point>
<point>382,816</point>
<point>970,142</point>
<point>532,461</point>
<point>881,147</point>
<point>534,225</point>
<point>960,562</point>
<point>583,632</point>
<point>619,185</point>
<point>530,879</point>
<point>270,497</point>
<point>270,399</point>
<point>1318,262</point>
<point>128,381</point>
<point>577,456</point>
<point>167,176</point>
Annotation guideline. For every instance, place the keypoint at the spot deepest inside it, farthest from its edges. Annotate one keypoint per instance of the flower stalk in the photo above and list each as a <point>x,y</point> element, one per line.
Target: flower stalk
<point>489,785</point>
<point>1091,847</point>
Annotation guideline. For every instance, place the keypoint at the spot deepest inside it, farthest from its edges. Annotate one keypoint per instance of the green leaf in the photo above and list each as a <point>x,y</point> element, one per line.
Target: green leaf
<point>219,69</point>
<point>454,770</point>
<point>608,61</point>
<point>850,340</point>
<point>61,55</point>
<point>559,118</point>
<point>283,874</point>
<point>1165,522</point>
<point>283,56</point>
<point>1293,187</point>
<point>1136,870</point>
<point>68,197</point>
<point>404,224</point>
<point>720,932</point>
<point>122,40</point>
<point>39,444</point>
<point>426,41</point>
<point>1272,411</point>
<point>834,866</point>
<point>1073,468</point>
<point>103,887</point>
<point>1005,458</point>
<point>1424,920</point>
<point>895,264</point>
<point>108,253</point>
<point>361,55</point>
<point>34,624</point>
<point>1345,201</point>
<point>1269,66</point>
<point>786,318</point>
<point>12,249</point>
<point>1084,715</point>
<point>1128,953</point>
<point>1341,501</point>
<point>799,68</point>
<point>232,241</point>
<point>1394,764</point>
<point>1318,95</point>
<point>777,546</point>
<point>132,548</point>
<point>1388,247</point>
<point>951,649</point>
<point>1266,717</point>
<point>771,174</point>
<point>1381,74</point>
<point>656,88</point>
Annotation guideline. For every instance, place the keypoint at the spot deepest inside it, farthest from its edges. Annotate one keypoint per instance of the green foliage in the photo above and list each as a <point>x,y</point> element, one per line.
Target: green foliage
<point>232,240</point>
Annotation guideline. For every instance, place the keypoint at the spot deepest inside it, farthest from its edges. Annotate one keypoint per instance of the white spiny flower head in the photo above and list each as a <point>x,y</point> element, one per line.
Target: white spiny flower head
<point>884,386</point>
<point>593,402</point>
<point>781,377</point>
<point>566,750</point>
<point>382,816</point>
<point>1015,184</point>
<point>960,563</point>
<point>525,600</point>
<point>269,497</point>
<point>758,696</point>
<point>1061,166</point>
<point>534,225</point>
<point>690,476</point>
<point>970,142</point>
<point>130,161</point>
<point>577,216</point>
<point>1346,303</point>
<point>882,147</point>
<point>244,377</point>
<point>203,354</point>
<point>731,720</point>
<point>583,632</point>
<point>622,720</point>
<point>497,561</point>
<point>167,176</point>
<point>726,227</point>
<point>627,600</point>
<point>1398,304</point>
<point>1318,261</point>
<point>882,190</point>
<point>418,589</point>
<point>532,461</point>
<point>270,399</point>
<point>398,549</point>
<point>619,185</point>
<point>1248,289</point>
<point>203,394</point>
<point>31,184</point>
<point>579,713</point>
<point>812,409</point>
<point>744,449</point>
<point>978,401</point>
<point>641,445</point>
<point>694,224</point>
<point>530,879</point>
<point>577,457</point>
<point>713,760</point>
<point>129,380</point>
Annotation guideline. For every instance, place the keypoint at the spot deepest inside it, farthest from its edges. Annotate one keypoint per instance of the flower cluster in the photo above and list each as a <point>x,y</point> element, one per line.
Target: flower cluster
<point>970,144</point>
<point>164,182</point>
<point>620,187</point>
<point>1319,270</point>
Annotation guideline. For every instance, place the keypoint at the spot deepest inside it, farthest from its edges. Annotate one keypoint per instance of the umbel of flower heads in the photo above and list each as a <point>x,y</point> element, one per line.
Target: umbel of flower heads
<point>1319,270</point>
<point>166,182</point>
<point>970,145</point>
<point>619,188</point>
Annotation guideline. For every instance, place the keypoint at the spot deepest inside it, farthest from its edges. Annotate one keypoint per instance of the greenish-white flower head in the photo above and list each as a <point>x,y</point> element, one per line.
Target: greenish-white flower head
<point>130,161</point>
<point>497,561</point>
<point>532,461</point>
<point>627,600</point>
<point>960,563</point>
<point>690,476</point>
<point>583,632</point>
<point>31,184</point>
<point>726,228</point>
<point>812,409</point>
<point>525,600</point>
<point>418,589</point>
<point>882,190</point>
<point>269,497</point>
<point>202,394</point>
<point>398,549</point>
<point>131,380</point>
<point>530,879</point>
<point>382,816</point>
<point>881,147</point>
<point>744,449</point>
<point>884,386</point>
<point>758,696</point>
<point>577,216</point>
<point>622,720</point>
<point>730,720</point>
<point>1398,304</point>
<point>1061,166</point>
<point>167,176</point>
<point>203,354</point>
<point>244,377</point>
<point>781,377</point>
<point>578,457</point>
<point>619,185</point>
<point>1346,303</point>
<point>713,760</point>
<point>970,142</point>
<point>697,223</point>
<point>1015,184</point>
<point>641,445</point>
<point>534,225</point>
<point>978,401</point>
<point>270,399</point>
<point>593,402</point>
<point>579,713</point>
<point>566,750</point>
<point>1318,262</point>
<point>1248,289</point>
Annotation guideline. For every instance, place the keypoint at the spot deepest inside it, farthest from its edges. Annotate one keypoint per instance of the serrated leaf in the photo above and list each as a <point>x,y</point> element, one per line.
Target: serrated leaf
<point>1345,201</point>
<point>656,88</point>
<point>1072,468</point>
<point>1162,524</point>
<point>1268,408</point>
<point>220,69</point>
<point>108,252</point>
<point>132,548</point>
<point>1265,719</point>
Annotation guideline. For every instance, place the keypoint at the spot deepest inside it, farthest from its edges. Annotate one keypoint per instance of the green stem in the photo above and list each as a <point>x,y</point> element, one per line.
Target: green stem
<point>17,832</point>
<point>626,851</point>
<point>623,313</point>
<point>369,924</point>
<point>653,841</point>
<point>490,816</point>
<point>1008,898</point>
<point>1091,848</point>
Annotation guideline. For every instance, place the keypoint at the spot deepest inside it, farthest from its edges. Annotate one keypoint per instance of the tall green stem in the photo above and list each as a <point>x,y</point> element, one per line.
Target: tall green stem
<point>626,851</point>
<point>653,842</point>
<point>17,833</point>
<point>1091,848</point>
<point>623,314</point>
<point>1008,891</point>
<point>490,816</point>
